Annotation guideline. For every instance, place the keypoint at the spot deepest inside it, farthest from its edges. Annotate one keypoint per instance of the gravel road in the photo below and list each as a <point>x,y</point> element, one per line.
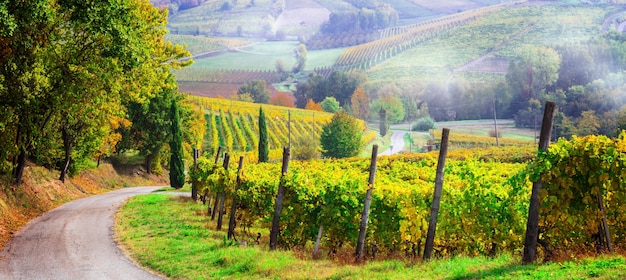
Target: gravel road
<point>73,241</point>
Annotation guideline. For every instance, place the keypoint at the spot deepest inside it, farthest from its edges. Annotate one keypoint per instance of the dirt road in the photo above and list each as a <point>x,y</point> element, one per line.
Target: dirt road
<point>74,241</point>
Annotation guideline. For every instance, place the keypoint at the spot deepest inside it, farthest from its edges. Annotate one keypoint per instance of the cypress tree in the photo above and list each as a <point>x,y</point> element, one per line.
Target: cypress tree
<point>264,152</point>
<point>383,121</point>
<point>177,167</point>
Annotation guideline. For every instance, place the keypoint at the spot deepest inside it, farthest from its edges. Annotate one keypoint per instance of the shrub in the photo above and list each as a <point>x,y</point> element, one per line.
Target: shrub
<point>424,124</point>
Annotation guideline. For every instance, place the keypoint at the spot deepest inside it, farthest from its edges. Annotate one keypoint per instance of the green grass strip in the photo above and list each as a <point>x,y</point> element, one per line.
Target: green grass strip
<point>172,235</point>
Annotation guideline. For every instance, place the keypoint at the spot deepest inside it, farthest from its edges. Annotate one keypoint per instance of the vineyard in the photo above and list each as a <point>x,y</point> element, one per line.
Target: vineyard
<point>226,76</point>
<point>393,41</point>
<point>221,83</point>
<point>483,206</point>
<point>233,125</point>
<point>458,140</point>
<point>508,28</point>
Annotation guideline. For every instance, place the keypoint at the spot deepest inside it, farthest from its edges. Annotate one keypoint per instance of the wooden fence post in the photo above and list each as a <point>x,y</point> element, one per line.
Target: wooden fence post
<point>207,198</point>
<point>279,200</point>
<point>194,190</point>
<point>233,207</point>
<point>221,194</point>
<point>366,205</point>
<point>532,224</point>
<point>434,209</point>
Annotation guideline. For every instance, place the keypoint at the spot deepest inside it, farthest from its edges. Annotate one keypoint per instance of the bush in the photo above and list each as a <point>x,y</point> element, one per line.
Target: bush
<point>492,133</point>
<point>424,124</point>
<point>306,148</point>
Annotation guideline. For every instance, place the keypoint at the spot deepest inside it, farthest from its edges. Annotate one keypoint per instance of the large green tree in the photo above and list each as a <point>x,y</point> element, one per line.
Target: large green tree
<point>68,65</point>
<point>177,165</point>
<point>535,69</point>
<point>342,137</point>
<point>150,129</point>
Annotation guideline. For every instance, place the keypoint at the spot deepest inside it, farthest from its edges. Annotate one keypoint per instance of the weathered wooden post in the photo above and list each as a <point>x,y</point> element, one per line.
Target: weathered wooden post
<point>605,225</point>
<point>207,198</point>
<point>233,207</point>
<point>532,224</point>
<point>279,200</point>
<point>366,205</point>
<point>194,190</point>
<point>221,195</point>
<point>318,241</point>
<point>434,209</point>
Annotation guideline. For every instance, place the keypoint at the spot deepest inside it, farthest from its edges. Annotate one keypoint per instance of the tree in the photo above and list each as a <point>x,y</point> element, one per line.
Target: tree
<point>311,105</point>
<point>360,104</point>
<point>535,70</point>
<point>588,124</point>
<point>257,90</point>
<point>330,104</point>
<point>177,166</point>
<point>280,66</point>
<point>264,149</point>
<point>300,53</point>
<point>341,137</point>
<point>282,99</point>
<point>67,66</point>
<point>150,128</point>
<point>382,116</point>
<point>391,104</point>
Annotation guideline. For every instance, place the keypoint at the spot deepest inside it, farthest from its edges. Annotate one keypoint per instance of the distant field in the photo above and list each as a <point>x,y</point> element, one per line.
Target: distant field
<point>258,57</point>
<point>199,44</point>
<point>263,56</point>
<point>215,90</point>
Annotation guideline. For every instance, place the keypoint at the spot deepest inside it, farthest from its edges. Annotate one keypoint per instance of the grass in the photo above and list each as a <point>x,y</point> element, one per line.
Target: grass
<point>263,56</point>
<point>173,236</point>
<point>413,142</point>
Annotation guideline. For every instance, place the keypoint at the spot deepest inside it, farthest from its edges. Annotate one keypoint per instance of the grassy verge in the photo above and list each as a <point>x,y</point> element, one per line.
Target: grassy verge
<point>172,235</point>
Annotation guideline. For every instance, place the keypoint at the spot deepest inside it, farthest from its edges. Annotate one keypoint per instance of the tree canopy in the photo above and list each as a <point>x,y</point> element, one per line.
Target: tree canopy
<point>342,137</point>
<point>256,89</point>
<point>67,69</point>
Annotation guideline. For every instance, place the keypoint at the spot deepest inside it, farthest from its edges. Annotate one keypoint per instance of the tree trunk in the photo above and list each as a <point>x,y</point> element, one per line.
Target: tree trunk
<point>366,206</point>
<point>279,200</point>
<point>434,209</point>
<point>19,168</point>
<point>67,148</point>
<point>149,164</point>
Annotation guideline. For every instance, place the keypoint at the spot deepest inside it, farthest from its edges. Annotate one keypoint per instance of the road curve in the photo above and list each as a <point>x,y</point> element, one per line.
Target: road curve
<point>397,143</point>
<point>73,241</point>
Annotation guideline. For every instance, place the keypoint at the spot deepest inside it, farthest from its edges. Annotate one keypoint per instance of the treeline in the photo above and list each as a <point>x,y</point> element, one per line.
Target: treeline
<point>585,79</point>
<point>354,27</point>
<point>78,78</point>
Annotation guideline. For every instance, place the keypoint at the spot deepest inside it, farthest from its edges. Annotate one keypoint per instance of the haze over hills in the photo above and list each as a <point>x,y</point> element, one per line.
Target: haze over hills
<point>455,57</point>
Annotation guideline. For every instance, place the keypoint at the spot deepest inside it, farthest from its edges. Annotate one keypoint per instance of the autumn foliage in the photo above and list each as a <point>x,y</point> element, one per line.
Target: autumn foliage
<point>283,99</point>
